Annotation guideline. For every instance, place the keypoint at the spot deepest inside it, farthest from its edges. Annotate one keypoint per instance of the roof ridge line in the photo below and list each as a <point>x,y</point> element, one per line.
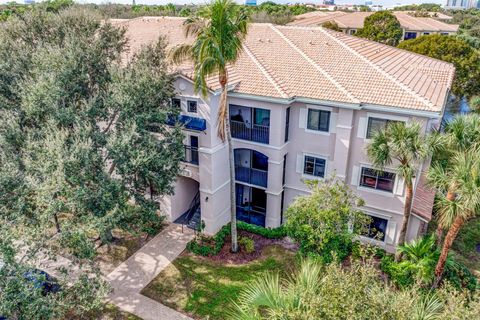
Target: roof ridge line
<point>265,72</point>
<point>313,63</point>
<point>412,92</point>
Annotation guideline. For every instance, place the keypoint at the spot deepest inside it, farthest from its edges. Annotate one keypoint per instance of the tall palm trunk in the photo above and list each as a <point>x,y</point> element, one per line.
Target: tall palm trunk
<point>439,232</point>
<point>225,114</point>
<point>406,217</point>
<point>447,244</point>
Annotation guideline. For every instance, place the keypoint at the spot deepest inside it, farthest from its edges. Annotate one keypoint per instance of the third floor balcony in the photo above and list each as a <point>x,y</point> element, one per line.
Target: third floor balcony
<point>252,124</point>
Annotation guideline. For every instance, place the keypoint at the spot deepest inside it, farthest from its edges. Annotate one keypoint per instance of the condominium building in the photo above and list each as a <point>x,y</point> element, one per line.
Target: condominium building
<point>350,22</point>
<point>304,103</point>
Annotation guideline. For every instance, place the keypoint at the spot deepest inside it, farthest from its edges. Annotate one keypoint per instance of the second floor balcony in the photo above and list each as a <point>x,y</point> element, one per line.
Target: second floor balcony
<point>251,167</point>
<point>190,155</point>
<point>252,124</point>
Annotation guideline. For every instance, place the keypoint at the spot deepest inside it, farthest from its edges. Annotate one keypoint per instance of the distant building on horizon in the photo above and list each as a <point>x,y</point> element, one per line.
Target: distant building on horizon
<point>462,4</point>
<point>250,2</point>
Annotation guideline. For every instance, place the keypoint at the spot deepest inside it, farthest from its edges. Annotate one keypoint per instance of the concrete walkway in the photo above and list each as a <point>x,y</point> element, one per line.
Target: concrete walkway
<point>130,277</point>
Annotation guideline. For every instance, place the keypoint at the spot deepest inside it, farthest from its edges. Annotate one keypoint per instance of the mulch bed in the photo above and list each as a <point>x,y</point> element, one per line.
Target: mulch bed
<point>226,256</point>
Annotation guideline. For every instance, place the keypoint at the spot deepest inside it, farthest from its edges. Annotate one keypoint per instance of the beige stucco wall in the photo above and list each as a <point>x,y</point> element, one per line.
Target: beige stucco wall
<point>343,148</point>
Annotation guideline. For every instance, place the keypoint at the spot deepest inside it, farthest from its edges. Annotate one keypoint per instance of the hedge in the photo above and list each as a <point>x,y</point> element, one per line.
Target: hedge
<point>219,238</point>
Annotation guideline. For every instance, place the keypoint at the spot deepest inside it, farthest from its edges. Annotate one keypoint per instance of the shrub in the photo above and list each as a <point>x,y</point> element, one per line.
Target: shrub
<point>322,222</point>
<point>211,246</point>
<point>418,266</point>
<point>247,244</point>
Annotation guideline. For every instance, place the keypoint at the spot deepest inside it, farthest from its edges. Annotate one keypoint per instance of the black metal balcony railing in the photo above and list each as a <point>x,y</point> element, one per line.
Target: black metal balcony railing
<point>256,133</point>
<point>252,176</point>
<point>191,155</point>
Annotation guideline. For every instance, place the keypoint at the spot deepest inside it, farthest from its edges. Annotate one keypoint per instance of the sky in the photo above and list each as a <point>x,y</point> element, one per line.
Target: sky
<point>387,3</point>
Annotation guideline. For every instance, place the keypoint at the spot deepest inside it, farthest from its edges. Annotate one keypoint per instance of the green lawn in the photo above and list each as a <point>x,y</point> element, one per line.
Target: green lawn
<point>464,247</point>
<point>205,289</point>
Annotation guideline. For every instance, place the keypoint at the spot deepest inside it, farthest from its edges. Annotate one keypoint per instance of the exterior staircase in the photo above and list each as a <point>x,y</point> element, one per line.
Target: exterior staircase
<point>192,217</point>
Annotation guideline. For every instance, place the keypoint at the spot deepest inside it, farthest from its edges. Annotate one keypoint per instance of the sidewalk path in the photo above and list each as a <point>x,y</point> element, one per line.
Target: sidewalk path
<point>130,277</point>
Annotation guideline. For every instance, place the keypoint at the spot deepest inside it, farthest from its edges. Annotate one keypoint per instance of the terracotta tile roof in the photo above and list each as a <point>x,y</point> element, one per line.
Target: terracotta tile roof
<point>423,200</point>
<point>355,20</point>
<point>311,62</point>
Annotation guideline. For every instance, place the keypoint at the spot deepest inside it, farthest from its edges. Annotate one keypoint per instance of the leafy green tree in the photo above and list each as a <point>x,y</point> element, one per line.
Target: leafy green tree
<point>454,50</point>
<point>76,145</point>
<point>185,12</point>
<point>404,147</point>
<point>357,292</point>
<point>322,221</point>
<point>469,25</point>
<point>383,27</point>
<point>332,25</point>
<point>219,30</point>
<point>21,299</point>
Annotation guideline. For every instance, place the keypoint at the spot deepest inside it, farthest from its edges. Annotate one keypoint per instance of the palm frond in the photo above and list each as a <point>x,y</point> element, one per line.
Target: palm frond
<point>181,53</point>
<point>429,308</point>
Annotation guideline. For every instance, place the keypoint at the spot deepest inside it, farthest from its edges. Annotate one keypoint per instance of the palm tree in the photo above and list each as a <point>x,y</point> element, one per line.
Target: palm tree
<point>298,297</point>
<point>460,134</point>
<point>219,30</point>
<point>405,147</point>
<point>459,197</point>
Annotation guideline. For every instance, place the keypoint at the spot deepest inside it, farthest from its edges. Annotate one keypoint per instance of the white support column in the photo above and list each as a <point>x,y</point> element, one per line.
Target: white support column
<point>342,142</point>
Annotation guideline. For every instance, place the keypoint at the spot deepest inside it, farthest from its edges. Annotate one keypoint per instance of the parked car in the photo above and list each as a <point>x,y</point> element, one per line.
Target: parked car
<point>40,280</point>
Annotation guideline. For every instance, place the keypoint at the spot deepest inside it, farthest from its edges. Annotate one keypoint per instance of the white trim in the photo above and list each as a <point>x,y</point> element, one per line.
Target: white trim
<point>297,189</point>
<point>320,132</point>
<point>213,150</point>
<point>381,116</point>
<point>345,105</point>
<point>383,210</point>
<point>274,193</point>
<point>372,214</point>
<point>376,191</point>
<point>251,185</point>
<point>386,116</point>
<point>313,177</point>
<point>261,144</point>
<point>214,190</point>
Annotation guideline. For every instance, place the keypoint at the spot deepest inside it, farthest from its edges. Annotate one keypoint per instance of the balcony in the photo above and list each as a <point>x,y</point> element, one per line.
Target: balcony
<point>252,124</point>
<point>251,176</point>
<point>190,155</point>
<point>256,133</point>
<point>251,167</point>
<point>250,215</point>
<point>251,204</point>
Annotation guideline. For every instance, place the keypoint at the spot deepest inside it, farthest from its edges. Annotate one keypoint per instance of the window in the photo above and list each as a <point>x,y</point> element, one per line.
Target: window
<point>444,33</point>
<point>410,35</point>
<point>318,120</point>
<point>284,169</point>
<point>287,123</point>
<point>376,229</point>
<point>377,124</point>
<point>176,103</point>
<point>192,106</point>
<point>352,31</point>
<point>314,166</point>
<point>376,179</point>
<point>426,33</point>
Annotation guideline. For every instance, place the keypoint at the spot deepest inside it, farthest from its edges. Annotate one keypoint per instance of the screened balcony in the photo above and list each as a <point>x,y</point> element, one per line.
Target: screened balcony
<point>252,124</point>
<point>251,204</point>
<point>251,167</point>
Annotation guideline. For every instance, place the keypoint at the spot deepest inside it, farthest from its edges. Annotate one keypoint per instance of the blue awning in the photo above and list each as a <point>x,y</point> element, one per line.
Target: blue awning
<point>191,123</point>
